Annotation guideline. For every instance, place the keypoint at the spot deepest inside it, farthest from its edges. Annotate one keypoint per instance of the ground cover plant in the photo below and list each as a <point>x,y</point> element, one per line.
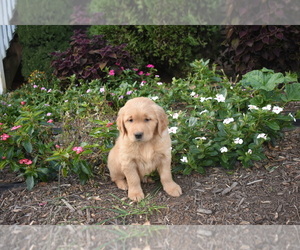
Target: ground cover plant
<point>48,133</point>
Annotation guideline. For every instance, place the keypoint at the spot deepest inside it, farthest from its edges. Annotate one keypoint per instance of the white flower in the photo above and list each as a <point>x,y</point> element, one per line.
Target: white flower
<point>268,107</point>
<point>262,135</point>
<point>88,91</point>
<point>184,159</point>
<point>202,99</point>
<point>202,112</point>
<point>201,138</point>
<point>224,150</point>
<point>277,109</point>
<point>49,90</point>
<point>173,130</point>
<point>238,141</point>
<point>250,107</point>
<point>159,83</point>
<point>175,116</point>
<point>292,117</point>
<point>249,151</point>
<point>154,98</point>
<point>193,94</point>
<point>228,120</point>
<point>102,90</point>
<point>66,100</point>
<point>220,98</point>
<point>48,114</point>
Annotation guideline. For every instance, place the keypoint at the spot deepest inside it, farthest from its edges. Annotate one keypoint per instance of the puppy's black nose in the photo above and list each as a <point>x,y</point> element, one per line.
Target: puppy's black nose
<point>138,136</point>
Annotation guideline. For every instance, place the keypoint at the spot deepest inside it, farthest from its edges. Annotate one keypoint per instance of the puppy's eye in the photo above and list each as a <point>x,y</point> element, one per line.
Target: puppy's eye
<point>147,120</point>
<point>130,120</point>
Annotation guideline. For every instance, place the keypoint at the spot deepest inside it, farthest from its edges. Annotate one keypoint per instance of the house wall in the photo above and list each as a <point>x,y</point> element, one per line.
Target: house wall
<point>6,35</point>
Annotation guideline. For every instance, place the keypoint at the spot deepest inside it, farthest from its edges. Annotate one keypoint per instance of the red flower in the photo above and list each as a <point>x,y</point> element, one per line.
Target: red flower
<point>16,127</point>
<point>78,150</point>
<point>109,124</point>
<point>25,161</point>
<point>4,137</point>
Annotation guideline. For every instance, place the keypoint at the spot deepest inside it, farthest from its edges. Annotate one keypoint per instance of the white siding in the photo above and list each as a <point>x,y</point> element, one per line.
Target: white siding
<point>6,34</point>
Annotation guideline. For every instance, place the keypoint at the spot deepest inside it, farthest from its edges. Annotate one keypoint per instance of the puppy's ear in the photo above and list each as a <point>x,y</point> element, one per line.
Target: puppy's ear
<point>120,122</point>
<point>162,119</point>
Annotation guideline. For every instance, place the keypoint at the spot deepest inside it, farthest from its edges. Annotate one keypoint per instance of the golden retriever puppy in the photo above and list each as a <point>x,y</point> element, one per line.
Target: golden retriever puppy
<point>143,145</point>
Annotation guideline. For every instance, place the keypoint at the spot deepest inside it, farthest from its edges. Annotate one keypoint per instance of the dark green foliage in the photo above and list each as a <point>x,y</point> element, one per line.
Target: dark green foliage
<point>36,12</point>
<point>38,42</point>
<point>169,47</point>
<point>255,47</point>
<point>89,58</point>
<point>157,11</point>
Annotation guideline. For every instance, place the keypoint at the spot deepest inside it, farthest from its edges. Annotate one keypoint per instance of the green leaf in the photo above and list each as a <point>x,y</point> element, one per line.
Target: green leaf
<point>192,121</point>
<point>292,92</point>
<point>273,125</point>
<point>28,146</point>
<point>85,168</point>
<point>3,164</point>
<point>263,79</point>
<point>43,170</point>
<point>29,182</point>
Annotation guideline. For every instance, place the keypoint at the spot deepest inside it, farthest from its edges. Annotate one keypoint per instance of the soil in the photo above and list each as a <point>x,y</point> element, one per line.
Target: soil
<point>265,194</point>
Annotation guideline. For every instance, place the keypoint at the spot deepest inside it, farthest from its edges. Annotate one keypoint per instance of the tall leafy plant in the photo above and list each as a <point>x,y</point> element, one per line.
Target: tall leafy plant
<point>90,58</point>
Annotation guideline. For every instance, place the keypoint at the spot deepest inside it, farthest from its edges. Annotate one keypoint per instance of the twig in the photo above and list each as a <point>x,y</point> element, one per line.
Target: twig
<point>68,205</point>
<point>252,182</point>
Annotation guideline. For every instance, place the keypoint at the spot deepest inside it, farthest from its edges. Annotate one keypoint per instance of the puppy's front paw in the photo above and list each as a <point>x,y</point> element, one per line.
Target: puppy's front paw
<point>173,189</point>
<point>136,195</point>
<point>122,184</point>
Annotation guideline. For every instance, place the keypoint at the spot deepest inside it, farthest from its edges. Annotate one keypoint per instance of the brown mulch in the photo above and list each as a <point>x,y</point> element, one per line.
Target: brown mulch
<point>266,194</point>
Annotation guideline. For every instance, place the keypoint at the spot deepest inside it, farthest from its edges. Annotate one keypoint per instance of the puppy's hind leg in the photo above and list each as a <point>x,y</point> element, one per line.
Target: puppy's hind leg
<point>119,179</point>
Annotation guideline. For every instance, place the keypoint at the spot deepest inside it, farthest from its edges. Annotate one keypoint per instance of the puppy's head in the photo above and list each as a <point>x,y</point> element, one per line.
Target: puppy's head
<point>141,119</point>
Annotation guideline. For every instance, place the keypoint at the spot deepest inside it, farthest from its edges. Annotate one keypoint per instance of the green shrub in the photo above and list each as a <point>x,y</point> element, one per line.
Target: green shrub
<point>38,42</point>
<point>170,48</point>
<point>35,12</point>
<point>156,12</point>
<point>255,47</point>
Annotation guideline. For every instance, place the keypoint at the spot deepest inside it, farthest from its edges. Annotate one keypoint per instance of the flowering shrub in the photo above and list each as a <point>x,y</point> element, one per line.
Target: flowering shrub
<point>212,120</point>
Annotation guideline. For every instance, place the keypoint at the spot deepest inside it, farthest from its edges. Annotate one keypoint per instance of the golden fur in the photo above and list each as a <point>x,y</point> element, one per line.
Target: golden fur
<point>144,145</point>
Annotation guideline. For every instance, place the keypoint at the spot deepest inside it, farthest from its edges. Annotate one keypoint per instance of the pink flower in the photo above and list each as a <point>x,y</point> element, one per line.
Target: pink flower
<point>1,123</point>
<point>135,69</point>
<point>147,74</point>
<point>16,127</point>
<point>78,150</point>
<point>22,103</point>
<point>50,121</point>
<point>25,161</point>
<point>150,66</point>
<point>3,157</point>
<point>109,124</point>
<point>57,146</point>
<point>4,137</point>
<point>141,73</point>
<point>129,92</point>
<point>111,72</point>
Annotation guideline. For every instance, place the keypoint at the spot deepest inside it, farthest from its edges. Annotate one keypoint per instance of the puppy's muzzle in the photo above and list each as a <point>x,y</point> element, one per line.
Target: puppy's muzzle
<point>139,136</point>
